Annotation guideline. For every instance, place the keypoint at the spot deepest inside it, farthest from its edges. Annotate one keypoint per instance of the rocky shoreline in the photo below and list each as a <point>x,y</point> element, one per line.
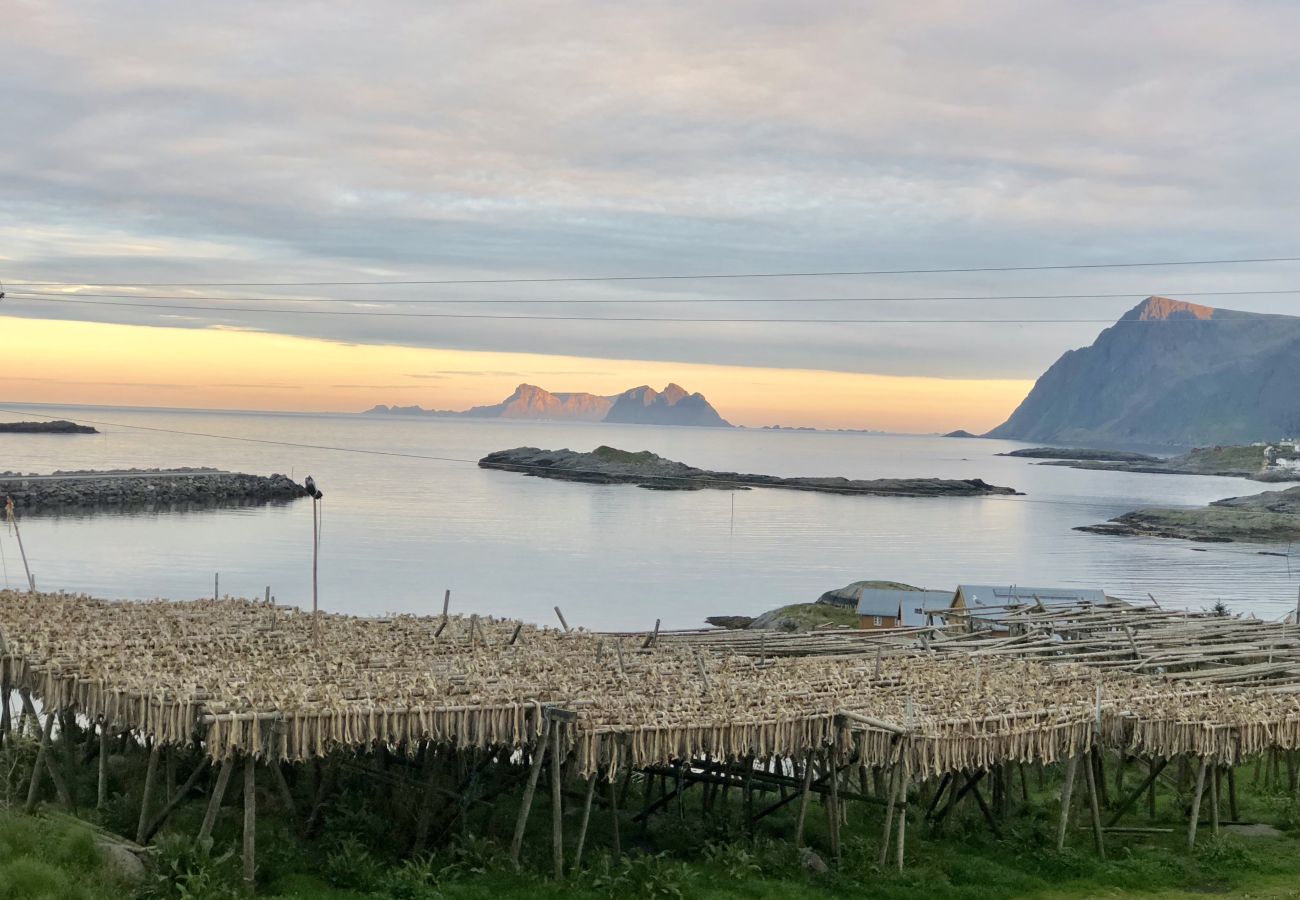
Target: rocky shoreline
<point>60,426</point>
<point>607,465</point>
<point>143,488</point>
<point>1270,517</point>
<point>1083,455</point>
<point>1247,461</point>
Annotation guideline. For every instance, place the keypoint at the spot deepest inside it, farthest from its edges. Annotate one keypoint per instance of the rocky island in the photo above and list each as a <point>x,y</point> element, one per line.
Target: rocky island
<point>124,488</point>
<point>1258,462</point>
<point>608,465</point>
<point>59,426</point>
<point>1270,517</point>
<point>1083,455</point>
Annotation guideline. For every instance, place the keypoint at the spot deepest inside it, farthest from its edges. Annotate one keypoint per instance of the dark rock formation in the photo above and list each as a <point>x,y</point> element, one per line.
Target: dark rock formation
<point>1106,455</point>
<point>1248,461</point>
<point>1170,373</point>
<point>732,622</point>
<point>144,488</point>
<point>608,465</point>
<point>849,595</point>
<point>1273,516</point>
<point>961,433</point>
<point>59,426</point>
<point>646,406</point>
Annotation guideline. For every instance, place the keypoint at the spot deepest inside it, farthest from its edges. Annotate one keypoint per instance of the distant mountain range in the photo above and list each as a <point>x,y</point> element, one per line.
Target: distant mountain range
<point>636,406</point>
<point>1170,372</point>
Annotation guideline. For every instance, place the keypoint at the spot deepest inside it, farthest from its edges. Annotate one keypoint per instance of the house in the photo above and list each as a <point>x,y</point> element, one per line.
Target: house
<point>989,604</point>
<point>889,608</point>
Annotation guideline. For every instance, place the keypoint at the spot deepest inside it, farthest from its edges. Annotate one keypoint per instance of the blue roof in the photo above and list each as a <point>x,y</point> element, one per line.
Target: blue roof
<point>888,602</point>
<point>1009,595</point>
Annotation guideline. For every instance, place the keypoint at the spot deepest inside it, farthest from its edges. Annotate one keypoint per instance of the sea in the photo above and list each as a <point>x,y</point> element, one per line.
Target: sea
<point>407,515</point>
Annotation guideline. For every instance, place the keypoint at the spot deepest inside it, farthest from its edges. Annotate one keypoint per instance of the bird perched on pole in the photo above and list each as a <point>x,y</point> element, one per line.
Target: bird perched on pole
<point>310,485</point>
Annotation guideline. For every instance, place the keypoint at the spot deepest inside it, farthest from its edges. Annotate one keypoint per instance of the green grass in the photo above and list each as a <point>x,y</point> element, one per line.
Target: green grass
<point>684,852</point>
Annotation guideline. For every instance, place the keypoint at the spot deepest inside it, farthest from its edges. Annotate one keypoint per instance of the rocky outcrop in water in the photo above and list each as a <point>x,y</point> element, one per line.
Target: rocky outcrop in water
<point>144,488</point>
<point>608,465</point>
<point>59,426</point>
<point>1270,517</point>
<point>1083,454</point>
<point>1248,461</point>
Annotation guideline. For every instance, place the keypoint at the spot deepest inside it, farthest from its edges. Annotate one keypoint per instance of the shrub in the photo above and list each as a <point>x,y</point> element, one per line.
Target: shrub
<point>182,868</point>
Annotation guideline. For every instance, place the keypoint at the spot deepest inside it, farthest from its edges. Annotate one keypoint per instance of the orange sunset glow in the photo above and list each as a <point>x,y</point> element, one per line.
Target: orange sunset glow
<point>82,362</point>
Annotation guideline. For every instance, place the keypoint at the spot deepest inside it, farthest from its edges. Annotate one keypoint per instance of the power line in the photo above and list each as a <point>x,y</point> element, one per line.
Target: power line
<point>693,277</point>
<point>642,319</point>
<point>652,300</point>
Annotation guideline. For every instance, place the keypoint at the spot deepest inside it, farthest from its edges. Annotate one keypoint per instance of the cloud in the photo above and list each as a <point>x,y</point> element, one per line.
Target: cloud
<point>587,138</point>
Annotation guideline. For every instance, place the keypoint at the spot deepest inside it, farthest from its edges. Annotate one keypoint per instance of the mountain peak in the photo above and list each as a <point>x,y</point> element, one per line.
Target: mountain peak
<point>1157,309</point>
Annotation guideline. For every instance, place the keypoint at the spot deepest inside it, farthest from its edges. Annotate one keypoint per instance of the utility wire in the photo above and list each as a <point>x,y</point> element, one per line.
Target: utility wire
<point>647,300</point>
<point>700,276</point>
<point>643,319</point>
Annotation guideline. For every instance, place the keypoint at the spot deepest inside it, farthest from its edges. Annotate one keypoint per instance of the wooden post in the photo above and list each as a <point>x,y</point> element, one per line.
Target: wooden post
<point>902,812</point>
<point>315,568</point>
<point>803,799</point>
<point>525,805</point>
<point>557,803</point>
<point>216,585</point>
<point>250,821</point>
<point>150,775</point>
<point>613,815</point>
<point>38,770</point>
<point>1214,800</point>
<point>586,817</point>
<point>1067,789</point>
<point>1151,791</point>
<point>1232,793</point>
<point>425,816</point>
<point>1095,808</point>
<point>218,794</point>
<point>268,593</point>
<point>101,793</point>
<point>888,827</point>
<point>13,520</point>
<point>1195,817</point>
<point>560,615</point>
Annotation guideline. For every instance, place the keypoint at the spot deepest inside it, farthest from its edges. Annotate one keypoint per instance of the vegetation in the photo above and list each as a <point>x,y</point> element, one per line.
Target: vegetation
<point>359,850</point>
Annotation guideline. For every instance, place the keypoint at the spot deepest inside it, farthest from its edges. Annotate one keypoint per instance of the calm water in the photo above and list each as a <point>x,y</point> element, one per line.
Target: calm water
<point>398,531</point>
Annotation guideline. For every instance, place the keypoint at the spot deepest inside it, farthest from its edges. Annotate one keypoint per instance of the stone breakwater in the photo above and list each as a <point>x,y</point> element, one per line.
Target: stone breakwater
<point>607,465</point>
<point>144,487</point>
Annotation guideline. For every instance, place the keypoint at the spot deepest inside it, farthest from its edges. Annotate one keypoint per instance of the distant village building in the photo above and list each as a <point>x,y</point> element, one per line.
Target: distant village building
<point>887,608</point>
<point>987,606</point>
<point>1285,454</point>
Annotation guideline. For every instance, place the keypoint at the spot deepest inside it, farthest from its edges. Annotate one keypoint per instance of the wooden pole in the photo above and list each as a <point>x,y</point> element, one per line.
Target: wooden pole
<point>425,816</point>
<point>525,805</point>
<point>38,770</point>
<point>250,821</point>
<point>613,815</point>
<point>161,818</point>
<point>902,813</point>
<point>1214,800</point>
<point>216,585</point>
<point>1195,816</point>
<point>315,568</point>
<point>1095,808</point>
<point>560,616</point>
<point>13,520</point>
<point>888,827</point>
<point>557,803</point>
<point>1232,793</point>
<point>586,817</point>
<point>218,794</point>
<point>150,775</point>
<point>101,793</point>
<point>803,799</point>
<point>1067,789</point>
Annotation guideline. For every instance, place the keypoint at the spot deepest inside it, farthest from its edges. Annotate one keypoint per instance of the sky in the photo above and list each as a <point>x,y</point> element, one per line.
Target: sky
<point>256,145</point>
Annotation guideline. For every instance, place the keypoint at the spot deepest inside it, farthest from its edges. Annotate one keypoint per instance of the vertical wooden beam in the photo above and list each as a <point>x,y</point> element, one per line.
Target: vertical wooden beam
<point>613,816</point>
<point>902,812</point>
<point>1094,808</point>
<point>1195,817</point>
<point>250,821</point>
<point>833,808</point>
<point>586,818</point>
<point>101,792</point>
<point>1151,791</point>
<point>150,776</point>
<point>1067,790</point>
<point>803,799</point>
<point>525,804</point>
<point>1232,793</point>
<point>888,827</point>
<point>424,818</point>
<point>1214,800</point>
<point>218,794</point>
<point>557,803</point>
<point>33,788</point>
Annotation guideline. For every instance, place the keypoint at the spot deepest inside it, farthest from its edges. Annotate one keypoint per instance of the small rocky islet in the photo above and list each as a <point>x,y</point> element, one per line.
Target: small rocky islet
<point>1270,517</point>
<point>609,465</point>
<point>59,426</point>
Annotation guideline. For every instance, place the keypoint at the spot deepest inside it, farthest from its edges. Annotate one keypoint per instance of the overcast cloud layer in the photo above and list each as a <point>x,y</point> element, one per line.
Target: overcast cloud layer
<point>324,141</point>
